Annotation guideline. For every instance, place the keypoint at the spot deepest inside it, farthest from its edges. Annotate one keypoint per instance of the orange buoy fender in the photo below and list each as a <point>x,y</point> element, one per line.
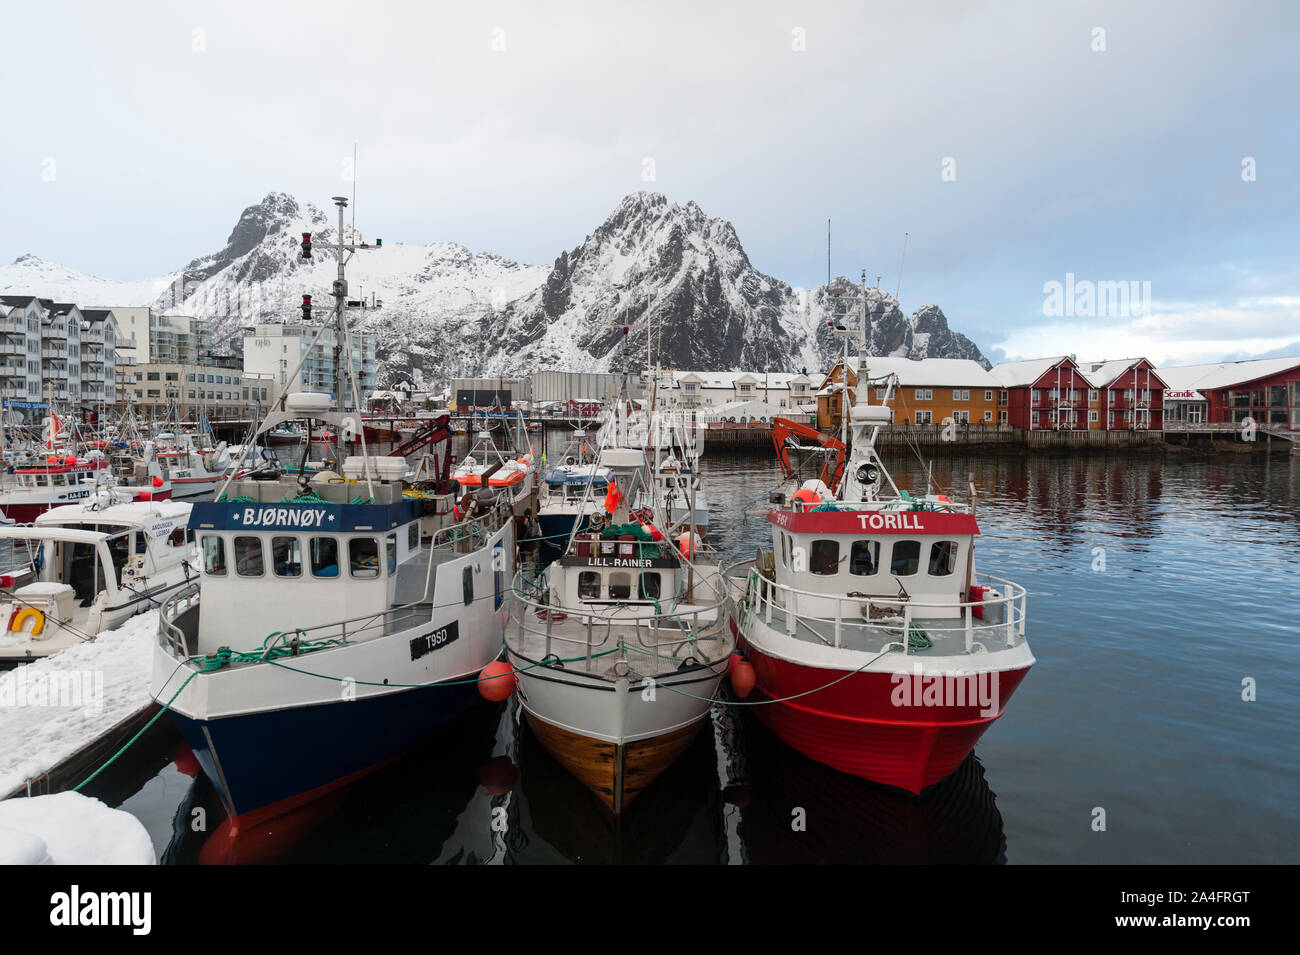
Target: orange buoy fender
<point>496,681</point>
<point>743,678</point>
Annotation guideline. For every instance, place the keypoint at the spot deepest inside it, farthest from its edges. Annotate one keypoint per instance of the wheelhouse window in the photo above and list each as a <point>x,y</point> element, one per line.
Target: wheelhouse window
<point>620,586</point>
<point>324,557</point>
<point>390,552</point>
<point>649,585</point>
<point>248,556</point>
<point>588,585</point>
<point>825,557</point>
<point>943,558</point>
<point>363,557</point>
<point>214,555</point>
<point>864,558</point>
<point>286,556</point>
<point>906,559</point>
<point>413,536</point>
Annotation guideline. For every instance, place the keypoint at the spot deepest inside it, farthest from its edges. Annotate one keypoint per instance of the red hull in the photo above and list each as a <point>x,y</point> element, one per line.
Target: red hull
<point>855,726</point>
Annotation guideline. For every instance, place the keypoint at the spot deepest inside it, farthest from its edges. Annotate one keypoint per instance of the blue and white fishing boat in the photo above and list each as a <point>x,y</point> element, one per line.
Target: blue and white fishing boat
<point>337,622</point>
<point>571,492</point>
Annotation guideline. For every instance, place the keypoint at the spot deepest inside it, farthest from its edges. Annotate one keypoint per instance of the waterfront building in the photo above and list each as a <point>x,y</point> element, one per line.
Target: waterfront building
<point>56,352</point>
<point>217,390</point>
<point>1267,390</point>
<point>275,350</point>
<point>1047,394</point>
<point>930,391</point>
<point>1131,394</point>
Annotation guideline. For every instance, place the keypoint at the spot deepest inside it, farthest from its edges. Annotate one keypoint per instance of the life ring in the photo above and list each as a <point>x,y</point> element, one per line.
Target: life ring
<point>20,616</point>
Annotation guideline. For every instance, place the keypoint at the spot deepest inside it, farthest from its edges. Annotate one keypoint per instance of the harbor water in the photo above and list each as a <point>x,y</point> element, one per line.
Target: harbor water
<point>1158,725</point>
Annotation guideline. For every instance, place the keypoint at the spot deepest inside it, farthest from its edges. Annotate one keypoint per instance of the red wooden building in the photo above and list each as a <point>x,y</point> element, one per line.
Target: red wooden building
<point>1045,394</point>
<point>1132,394</point>
<point>1266,390</point>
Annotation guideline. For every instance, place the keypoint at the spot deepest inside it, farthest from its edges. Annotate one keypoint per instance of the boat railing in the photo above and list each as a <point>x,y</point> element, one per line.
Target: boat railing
<point>643,627</point>
<point>973,618</point>
<point>172,609</point>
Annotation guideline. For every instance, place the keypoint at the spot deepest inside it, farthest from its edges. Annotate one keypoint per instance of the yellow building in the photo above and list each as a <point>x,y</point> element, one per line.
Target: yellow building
<point>929,391</point>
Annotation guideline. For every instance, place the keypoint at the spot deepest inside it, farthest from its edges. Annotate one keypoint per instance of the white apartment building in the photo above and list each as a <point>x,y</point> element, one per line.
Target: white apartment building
<point>711,389</point>
<point>56,352</point>
<point>149,337</point>
<point>274,351</point>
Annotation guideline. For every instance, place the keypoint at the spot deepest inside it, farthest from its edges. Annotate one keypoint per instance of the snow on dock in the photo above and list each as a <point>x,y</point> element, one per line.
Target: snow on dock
<point>53,708</point>
<point>70,829</point>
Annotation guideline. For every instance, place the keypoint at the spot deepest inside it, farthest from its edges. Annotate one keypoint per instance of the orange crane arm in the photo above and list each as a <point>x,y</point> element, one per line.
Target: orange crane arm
<point>784,428</point>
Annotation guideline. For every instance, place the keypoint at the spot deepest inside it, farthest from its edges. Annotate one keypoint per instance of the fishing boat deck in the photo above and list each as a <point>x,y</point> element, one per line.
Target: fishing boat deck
<point>611,646</point>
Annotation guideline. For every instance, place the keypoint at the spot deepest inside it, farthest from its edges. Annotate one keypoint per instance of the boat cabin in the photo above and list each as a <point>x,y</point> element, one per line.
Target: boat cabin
<point>891,554</point>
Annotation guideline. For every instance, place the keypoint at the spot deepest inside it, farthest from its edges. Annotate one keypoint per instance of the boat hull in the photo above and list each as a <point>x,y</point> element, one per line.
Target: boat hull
<point>264,764</point>
<point>857,725</point>
<point>616,772</point>
<point>615,736</point>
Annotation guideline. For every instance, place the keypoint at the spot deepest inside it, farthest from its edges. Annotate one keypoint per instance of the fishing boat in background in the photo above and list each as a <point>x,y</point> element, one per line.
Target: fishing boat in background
<point>375,612</point>
<point>619,645</point>
<point>84,568</point>
<point>487,465</point>
<point>571,492</point>
<point>193,473</point>
<point>876,646</point>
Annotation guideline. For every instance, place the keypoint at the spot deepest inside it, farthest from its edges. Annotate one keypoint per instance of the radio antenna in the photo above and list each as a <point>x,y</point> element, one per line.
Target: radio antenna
<point>354,193</point>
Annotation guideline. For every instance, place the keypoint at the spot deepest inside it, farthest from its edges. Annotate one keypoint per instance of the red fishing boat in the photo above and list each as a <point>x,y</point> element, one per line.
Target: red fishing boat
<point>876,646</point>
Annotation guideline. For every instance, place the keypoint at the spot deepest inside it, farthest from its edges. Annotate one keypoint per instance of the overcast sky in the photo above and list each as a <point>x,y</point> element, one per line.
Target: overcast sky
<point>1001,136</point>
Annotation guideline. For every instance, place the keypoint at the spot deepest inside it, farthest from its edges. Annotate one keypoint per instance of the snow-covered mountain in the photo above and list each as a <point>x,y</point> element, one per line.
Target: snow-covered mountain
<point>665,269</point>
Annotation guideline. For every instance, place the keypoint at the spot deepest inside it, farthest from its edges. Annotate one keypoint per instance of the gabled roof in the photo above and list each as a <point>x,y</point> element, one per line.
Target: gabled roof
<point>96,314</point>
<point>1224,374</point>
<point>944,372</point>
<point>20,301</point>
<point>1103,373</point>
<point>1013,374</point>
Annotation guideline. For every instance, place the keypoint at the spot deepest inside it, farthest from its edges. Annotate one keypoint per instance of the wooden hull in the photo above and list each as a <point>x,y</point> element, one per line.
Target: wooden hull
<point>616,772</point>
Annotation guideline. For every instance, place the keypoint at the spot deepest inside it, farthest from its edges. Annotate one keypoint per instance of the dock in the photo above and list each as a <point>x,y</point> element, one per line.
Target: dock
<point>63,716</point>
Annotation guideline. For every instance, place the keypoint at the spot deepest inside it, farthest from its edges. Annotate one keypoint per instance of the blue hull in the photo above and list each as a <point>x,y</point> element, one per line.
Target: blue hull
<point>556,528</point>
<point>260,760</point>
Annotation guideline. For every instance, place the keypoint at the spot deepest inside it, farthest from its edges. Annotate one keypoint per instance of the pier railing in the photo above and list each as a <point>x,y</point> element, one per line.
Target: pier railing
<point>779,605</point>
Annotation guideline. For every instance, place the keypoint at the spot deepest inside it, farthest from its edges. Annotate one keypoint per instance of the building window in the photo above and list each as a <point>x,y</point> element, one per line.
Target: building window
<point>961,394</point>
<point>1092,394</point>
<point>924,417</point>
<point>924,394</point>
<point>1094,416</point>
<point>1002,417</point>
<point>988,394</point>
<point>988,416</point>
<point>961,417</point>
